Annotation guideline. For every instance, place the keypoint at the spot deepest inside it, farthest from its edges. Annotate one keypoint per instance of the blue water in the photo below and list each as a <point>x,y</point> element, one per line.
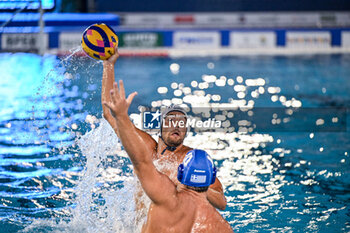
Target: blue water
<point>62,168</point>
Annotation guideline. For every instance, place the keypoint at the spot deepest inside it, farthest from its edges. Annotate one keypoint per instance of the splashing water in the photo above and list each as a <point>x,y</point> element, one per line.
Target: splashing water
<point>64,182</point>
<point>103,198</point>
<point>102,204</point>
<point>104,195</point>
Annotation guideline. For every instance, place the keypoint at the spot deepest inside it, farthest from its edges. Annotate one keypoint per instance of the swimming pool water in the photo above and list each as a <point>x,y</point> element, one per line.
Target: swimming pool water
<point>63,170</point>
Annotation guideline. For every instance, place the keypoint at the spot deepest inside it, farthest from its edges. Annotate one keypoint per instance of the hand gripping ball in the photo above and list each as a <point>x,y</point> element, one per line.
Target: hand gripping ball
<point>99,41</point>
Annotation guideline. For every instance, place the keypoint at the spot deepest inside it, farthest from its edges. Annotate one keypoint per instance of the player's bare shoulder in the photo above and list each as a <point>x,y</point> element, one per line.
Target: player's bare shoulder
<point>208,220</point>
<point>183,151</point>
<point>186,149</point>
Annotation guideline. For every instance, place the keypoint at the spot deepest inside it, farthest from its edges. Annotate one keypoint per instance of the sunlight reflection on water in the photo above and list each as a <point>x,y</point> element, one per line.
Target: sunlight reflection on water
<point>63,169</point>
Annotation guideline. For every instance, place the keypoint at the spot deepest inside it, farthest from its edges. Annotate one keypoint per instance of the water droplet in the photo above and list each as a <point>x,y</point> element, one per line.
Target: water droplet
<point>320,122</point>
<point>230,82</point>
<point>174,85</point>
<point>194,83</point>
<point>210,65</point>
<point>175,68</point>
<point>239,79</point>
<point>162,90</point>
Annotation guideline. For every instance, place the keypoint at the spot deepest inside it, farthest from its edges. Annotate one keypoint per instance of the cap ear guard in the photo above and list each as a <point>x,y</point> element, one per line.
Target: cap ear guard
<point>214,176</point>
<point>180,172</point>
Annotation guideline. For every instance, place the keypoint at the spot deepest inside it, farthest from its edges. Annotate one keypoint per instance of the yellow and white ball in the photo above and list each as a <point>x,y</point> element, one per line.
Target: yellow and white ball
<point>99,41</point>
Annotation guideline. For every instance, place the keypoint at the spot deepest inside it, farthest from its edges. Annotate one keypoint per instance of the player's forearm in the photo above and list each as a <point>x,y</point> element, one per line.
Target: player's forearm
<point>107,85</point>
<point>132,141</point>
<point>216,198</point>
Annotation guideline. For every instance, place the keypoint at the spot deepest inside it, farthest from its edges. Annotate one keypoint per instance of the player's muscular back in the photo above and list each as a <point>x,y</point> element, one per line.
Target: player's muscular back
<point>191,214</point>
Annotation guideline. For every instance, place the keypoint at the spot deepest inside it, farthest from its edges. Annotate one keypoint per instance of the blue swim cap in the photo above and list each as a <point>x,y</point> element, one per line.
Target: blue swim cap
<point>197,169</point>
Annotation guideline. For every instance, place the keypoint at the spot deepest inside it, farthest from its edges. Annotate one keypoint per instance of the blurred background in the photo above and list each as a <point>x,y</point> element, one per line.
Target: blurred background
<point>226,27</point>
<point>277,73</point>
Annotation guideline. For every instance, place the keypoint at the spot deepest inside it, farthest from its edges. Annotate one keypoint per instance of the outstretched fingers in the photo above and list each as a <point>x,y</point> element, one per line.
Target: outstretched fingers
<point>108,105</point>
<point>116,89</point>
<point>114,57</point>
<point>113,96</point>
<point>118,102</point>
<point>121,89</point>
<point>116,53</point>
<point>131,97</point>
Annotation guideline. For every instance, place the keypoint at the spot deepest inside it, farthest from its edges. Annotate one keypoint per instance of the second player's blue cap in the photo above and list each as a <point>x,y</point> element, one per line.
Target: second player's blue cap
<point>197,169</point>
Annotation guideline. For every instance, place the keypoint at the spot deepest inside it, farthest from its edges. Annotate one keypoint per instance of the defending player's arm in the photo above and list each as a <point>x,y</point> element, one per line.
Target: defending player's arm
<point>107,86</point>
<point>216,195</point>
<point>157,186</point>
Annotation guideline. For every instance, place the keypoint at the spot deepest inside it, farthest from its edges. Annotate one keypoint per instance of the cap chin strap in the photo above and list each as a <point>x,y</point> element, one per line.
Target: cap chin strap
<point>170,148</point>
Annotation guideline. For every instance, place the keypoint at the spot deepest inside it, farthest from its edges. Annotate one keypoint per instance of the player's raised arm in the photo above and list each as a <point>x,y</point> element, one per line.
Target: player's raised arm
<point>159,188</point>
<point>108,78</point>
<point>107,86</point>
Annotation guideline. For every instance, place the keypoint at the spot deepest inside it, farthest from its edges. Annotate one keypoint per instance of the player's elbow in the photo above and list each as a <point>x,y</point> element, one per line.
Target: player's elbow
<point>217,199</point>
<point>222,205</point>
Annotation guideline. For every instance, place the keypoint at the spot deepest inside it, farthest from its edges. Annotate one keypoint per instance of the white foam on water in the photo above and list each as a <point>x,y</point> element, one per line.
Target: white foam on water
<point>100,205</point>
<point>95,146</point>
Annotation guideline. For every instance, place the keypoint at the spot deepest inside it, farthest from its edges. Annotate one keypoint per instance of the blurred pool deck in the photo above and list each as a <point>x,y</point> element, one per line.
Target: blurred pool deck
<point>184,34</point>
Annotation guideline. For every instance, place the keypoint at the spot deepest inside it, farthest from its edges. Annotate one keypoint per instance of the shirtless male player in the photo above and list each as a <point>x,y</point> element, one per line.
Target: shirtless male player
<point>182,208</point>
<point>170,143</point>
